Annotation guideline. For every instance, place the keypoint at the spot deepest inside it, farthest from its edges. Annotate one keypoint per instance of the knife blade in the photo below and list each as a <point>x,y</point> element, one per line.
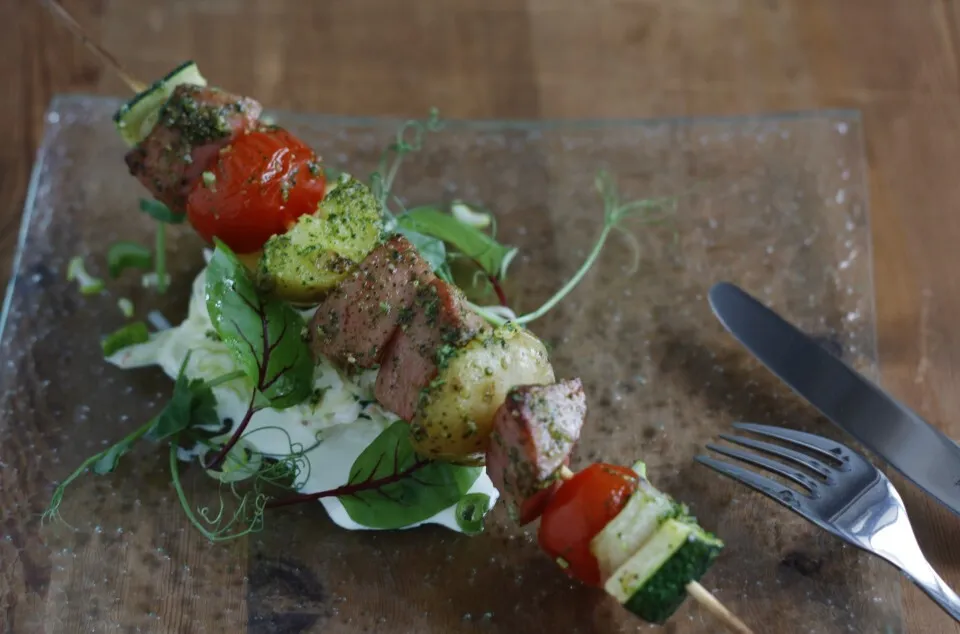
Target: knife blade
<point>916,449</point>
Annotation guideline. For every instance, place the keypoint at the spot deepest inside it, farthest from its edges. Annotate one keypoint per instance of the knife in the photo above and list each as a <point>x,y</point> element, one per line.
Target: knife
<point>909,444</point>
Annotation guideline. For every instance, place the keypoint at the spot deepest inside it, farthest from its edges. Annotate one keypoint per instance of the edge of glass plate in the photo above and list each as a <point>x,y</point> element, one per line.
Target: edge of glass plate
<point>478,124</point>
<point>786,115</point>
<point>871,272</point>
<point>25,218</point>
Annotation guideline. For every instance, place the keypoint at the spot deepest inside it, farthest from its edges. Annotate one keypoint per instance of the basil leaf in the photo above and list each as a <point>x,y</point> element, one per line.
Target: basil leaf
<point>160,212</point>
<point>492,256</point>
<point>265,335</point>
<point>124,255</point>
<point>413,489</point>
<point>128,335</point>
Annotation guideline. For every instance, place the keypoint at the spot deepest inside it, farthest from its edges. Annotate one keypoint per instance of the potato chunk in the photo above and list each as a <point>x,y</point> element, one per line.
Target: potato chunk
<point>321,249</point>
<point>455,413</point>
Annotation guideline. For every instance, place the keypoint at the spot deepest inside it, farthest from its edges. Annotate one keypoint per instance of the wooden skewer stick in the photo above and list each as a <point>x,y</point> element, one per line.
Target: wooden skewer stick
<point>696,591</point>
<point>109,60</point>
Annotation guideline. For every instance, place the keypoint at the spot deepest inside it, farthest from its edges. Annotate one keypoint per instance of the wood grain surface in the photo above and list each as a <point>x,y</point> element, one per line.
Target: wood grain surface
<point>897,61</point>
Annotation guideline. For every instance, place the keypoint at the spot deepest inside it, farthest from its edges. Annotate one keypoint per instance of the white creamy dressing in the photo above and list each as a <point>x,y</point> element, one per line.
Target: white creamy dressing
<point>338,427</point>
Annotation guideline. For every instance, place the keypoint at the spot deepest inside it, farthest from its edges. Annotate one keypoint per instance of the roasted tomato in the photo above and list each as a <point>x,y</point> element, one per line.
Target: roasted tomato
<point>579,510</point>
<point>258,187</point>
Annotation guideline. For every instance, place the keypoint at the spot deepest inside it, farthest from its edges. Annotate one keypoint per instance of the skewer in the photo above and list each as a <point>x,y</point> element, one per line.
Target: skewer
<point>103,54</point>
<point>697,592</point>
<point>694,589</point>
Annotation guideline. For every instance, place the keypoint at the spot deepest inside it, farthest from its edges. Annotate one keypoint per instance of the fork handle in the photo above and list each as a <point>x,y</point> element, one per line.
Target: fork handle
<point>938,590</point>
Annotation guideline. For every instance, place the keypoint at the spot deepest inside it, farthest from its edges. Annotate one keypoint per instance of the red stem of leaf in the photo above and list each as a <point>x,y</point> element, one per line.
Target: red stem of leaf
<point>222,454</point>
<point>262,383</point>
<point>495,282</point>
<point>350,489</point>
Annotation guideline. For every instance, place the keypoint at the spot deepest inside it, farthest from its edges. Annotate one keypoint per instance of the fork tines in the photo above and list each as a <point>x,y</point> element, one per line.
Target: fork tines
<point>810,462</point>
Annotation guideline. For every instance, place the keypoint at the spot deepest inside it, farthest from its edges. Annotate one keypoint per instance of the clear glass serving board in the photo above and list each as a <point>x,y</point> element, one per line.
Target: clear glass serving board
<point>776,204</point>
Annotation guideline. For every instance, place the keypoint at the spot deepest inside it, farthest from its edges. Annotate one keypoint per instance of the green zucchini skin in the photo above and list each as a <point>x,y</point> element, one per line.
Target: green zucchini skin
<point>657,599</point>
<point>136,118</point>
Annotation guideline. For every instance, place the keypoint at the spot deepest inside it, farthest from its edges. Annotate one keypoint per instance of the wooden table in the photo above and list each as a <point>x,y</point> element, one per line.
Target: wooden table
<point>896,61</point>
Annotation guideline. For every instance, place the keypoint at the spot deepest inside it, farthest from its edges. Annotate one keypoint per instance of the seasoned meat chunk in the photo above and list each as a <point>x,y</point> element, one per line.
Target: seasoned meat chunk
<point>534,432</point>
<point>355,322</point>
<point>192,127</point>
<point>438,324</point>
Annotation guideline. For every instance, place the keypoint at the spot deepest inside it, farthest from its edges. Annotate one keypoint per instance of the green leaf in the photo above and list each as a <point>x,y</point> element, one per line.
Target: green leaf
<point>430,249</point>
<point>492,256</point>
<point>192,404</point>
<point>411,489</point>
<point>242,462</point>
<point>160,212</point>
<point>128,335</point>
<point>265,335</point>
<point>108,461</point>
<point>471,509</point>
<point>124,255</point>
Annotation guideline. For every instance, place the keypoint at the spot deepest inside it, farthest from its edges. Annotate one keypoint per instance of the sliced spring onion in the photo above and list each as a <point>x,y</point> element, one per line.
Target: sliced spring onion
<point>125,306</point>
<point>124,255</point>
<point>209,180</point>
<point>471,509</point>
<point>158,321</point>
<point>160,212</point>
<point>88,284</point>
<point>640,468</point>
<point>129,335</point>
<point>152,280</point>
<point>160,258</point>
<point>469,216</point>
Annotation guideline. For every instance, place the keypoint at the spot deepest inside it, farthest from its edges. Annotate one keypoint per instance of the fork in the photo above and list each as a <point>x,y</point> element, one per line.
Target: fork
<point>839,491</point>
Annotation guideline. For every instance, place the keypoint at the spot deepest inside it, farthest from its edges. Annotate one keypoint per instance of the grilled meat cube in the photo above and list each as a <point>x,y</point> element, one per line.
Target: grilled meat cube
<point>355,322</point>
<point>194,124</point>
<point>439,323</point>
<point>533,434</point>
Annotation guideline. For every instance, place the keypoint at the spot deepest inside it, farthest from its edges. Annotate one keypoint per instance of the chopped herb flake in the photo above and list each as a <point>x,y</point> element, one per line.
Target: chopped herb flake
<point>125,306</point>
<point>88,284</point>
<point>127,255</point>
<point>129,335</point>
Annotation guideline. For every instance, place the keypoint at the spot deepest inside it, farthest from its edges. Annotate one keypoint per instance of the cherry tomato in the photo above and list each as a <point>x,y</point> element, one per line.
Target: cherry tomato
<point>579,510</point>
<point>258,187</point>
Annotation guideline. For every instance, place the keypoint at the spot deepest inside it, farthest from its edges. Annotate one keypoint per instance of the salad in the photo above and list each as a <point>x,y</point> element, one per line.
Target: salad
<point>343,349</point>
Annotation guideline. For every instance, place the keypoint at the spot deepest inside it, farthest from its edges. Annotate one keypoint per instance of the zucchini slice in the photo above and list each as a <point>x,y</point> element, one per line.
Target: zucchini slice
<point>652,583</point>
<point>631,528</point>
<point>136,118</point>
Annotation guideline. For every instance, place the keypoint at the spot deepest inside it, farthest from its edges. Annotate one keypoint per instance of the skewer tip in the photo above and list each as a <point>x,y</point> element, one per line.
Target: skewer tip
<point>103,54</point>
<point>703,596</point>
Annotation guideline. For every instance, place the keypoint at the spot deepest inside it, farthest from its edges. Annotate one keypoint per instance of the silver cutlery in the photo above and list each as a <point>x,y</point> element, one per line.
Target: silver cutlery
<point>838,490</point>
<point>912,446</point>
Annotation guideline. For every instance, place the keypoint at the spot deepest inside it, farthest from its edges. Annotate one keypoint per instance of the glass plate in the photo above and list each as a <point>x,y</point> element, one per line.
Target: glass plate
<point>776,204</point>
